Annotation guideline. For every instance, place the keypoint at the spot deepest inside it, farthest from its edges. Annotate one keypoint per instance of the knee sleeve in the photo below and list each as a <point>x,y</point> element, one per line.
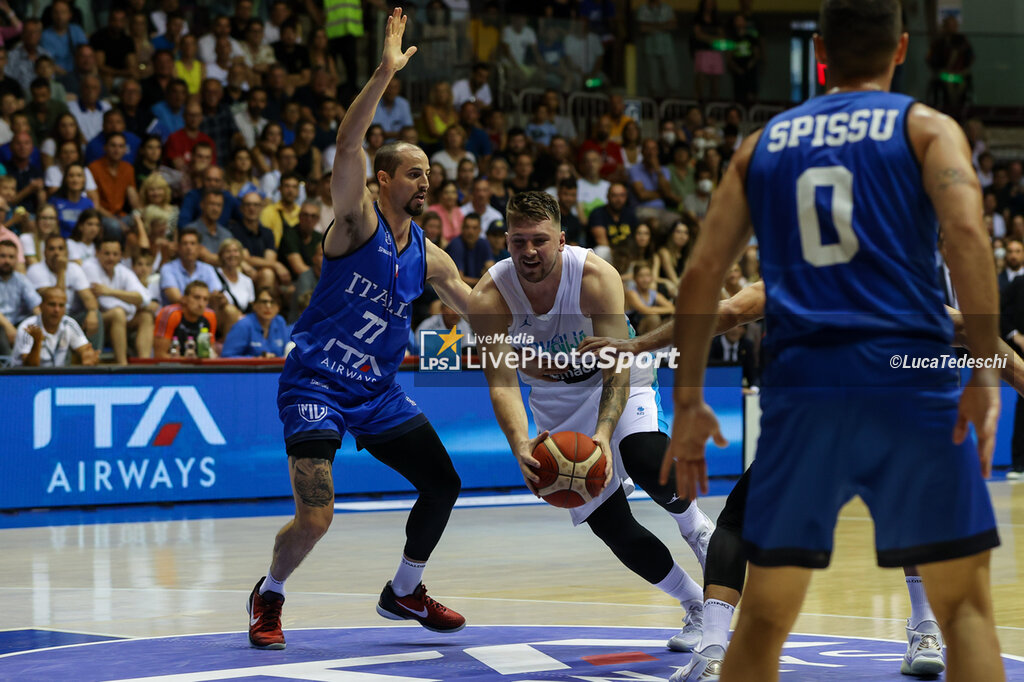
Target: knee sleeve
<point>642,454</point>
<point>726,563</point>
<point>635,546</point>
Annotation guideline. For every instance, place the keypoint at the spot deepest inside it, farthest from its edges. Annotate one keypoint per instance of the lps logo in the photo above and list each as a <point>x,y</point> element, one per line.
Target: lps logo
<point>312,412</point>
<point>102,400</point>
<point>440,352</point>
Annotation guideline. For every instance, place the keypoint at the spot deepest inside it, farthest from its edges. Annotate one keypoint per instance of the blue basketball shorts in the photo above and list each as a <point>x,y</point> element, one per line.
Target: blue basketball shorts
<point>309,414</point>
<point>838,422</point>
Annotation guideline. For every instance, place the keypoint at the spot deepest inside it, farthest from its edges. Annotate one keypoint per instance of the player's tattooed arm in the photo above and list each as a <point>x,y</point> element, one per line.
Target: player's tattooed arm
<point>949,177</point>
<point>614,394</point>
<point>314,486</point>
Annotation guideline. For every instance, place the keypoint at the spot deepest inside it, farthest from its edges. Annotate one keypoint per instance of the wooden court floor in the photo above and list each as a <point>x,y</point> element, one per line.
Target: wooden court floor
<point>500,565</point>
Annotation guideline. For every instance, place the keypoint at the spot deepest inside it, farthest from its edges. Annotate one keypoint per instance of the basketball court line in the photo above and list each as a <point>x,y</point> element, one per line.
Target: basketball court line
<point>414,626</point>
<point>367,595</point>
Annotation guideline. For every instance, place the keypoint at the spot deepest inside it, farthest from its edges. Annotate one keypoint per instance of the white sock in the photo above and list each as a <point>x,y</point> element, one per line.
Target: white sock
<point>688,520</point>
<point>408,576</point>
<point>920,609</point>
<point>679,585</point>
<point>272,584</point>
<point>717,617</point>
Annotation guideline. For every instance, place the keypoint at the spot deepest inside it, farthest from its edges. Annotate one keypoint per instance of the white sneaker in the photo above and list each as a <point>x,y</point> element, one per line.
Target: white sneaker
<point>688,638</point>
<point>924,650</point>
<point>700,536</point>
<point>1014,475</point>
<point>704,666</point>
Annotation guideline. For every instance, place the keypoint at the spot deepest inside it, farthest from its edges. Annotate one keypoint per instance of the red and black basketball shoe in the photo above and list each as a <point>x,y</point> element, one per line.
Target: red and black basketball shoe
<point>419,607</point>
<point>265,618</point>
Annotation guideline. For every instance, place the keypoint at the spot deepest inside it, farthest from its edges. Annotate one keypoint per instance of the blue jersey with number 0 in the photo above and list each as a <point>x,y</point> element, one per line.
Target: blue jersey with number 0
<point>846,233</point>
<point>352,338</point>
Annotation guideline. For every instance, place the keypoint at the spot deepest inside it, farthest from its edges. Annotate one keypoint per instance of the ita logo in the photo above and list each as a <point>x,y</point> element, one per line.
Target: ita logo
<point>441,351</point>
<point>482,653</point>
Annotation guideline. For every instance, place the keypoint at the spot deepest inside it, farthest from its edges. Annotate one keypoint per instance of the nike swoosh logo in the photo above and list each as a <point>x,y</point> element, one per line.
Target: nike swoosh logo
<point>253,621</point>
<point>421,613</point>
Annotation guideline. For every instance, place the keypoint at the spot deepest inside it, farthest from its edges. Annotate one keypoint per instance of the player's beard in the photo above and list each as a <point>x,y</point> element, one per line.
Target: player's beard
<point>413,210</point>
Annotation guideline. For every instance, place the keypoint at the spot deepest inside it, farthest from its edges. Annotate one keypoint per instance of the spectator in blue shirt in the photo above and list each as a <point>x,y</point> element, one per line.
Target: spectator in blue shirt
<point>262,333</point>
<point>478,142</point>
<point>393,113</point>
<point>649,180</point>
<point>186,268</point>
<point>496,239</point>
<point>540,129</point>
<point>61,38</point>
<point>169,114</point>
<point>70,200</point>
<point>213,178</point>
<point>113,122</point>
<point>471,254</point>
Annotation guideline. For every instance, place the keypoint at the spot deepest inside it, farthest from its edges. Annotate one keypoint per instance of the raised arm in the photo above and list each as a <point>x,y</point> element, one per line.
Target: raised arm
<point>354,219</point>
<point>489,316</point>
<point>446,280</point>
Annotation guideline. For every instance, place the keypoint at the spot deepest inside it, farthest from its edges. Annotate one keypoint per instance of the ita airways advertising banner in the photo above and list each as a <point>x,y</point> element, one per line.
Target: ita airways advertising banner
<point>97,438</point>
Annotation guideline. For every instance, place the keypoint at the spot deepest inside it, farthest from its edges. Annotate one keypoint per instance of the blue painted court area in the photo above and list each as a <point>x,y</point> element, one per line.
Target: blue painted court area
<point>25,640</point>
<point>514,653</point>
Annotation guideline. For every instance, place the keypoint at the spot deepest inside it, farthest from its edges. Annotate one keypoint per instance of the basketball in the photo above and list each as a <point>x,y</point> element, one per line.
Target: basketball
<point>571,469</point>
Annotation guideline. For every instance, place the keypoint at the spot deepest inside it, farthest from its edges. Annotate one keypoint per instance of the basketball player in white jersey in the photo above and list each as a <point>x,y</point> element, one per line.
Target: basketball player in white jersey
<point>559,295</point>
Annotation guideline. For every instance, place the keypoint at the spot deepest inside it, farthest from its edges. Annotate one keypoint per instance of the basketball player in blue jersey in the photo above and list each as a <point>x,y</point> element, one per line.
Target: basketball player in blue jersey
<point>725,570</point>
<point>844,193</point>
<point>349,344</point>
<point>560,294</point>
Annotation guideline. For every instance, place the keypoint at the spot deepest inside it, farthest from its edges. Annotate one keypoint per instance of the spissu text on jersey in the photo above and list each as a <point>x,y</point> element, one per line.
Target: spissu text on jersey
<point>833,130</point>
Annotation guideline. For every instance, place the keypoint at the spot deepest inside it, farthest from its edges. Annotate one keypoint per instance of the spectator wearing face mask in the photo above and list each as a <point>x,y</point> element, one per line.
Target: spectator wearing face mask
<point>698,203</point>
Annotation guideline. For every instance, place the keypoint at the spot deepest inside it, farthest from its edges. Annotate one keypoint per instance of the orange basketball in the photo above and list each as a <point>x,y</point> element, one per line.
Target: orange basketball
<point>571,469</point>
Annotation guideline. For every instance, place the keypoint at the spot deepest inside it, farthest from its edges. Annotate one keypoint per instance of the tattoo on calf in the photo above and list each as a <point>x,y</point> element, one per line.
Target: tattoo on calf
<point>313,482</point>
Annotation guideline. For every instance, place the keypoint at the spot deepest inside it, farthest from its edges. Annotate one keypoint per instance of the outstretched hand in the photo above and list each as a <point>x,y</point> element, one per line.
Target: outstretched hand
<point>393,57</point>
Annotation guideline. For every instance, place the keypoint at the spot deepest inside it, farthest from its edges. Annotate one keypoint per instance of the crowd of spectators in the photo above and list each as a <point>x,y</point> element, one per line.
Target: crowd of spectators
<point>166,176</point>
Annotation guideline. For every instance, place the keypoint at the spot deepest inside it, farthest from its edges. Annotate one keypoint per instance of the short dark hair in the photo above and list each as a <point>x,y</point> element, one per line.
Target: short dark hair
<point>195,284</point>
<point>291,175</point>
<point>533,207</point>
<point>185,231</point>
<point>472,216</point>
<point>389,157</point>
<point>108,236</point>
<point>11,245</point>
<point>567,183</point>
<point>111,136</point>
<point>210,192</point>
<point>860,35</point>
<point>39,82</point>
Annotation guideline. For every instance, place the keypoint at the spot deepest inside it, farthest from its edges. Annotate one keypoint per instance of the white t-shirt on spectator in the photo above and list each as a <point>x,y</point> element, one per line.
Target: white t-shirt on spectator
<point>591,195</point>
<point>462,93</point>
<point>450,165</point>
<point>243,291</point>
<point>77,251</point>
<point>213,70</point>
<point>584,52</point>
<point>123,280</point>
<point>486,218</point>
<point>55,176</point>
<point>74,281</point>
<point>56,347</point>
<point>208,50</point>
<point>270,185</point>
<point>518,42</point>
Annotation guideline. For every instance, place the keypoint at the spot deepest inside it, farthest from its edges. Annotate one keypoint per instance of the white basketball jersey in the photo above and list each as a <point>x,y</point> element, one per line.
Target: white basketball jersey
<point>572,404</point>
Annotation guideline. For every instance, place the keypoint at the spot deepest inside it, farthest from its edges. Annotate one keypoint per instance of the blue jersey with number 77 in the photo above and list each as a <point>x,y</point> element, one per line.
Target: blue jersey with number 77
<point>846,233</point>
